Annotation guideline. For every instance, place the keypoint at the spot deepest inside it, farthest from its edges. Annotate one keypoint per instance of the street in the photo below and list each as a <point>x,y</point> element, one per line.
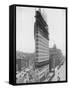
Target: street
<point>60,74</point>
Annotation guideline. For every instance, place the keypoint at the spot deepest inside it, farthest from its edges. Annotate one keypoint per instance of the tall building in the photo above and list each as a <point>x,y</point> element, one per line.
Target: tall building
<point>42,46</point>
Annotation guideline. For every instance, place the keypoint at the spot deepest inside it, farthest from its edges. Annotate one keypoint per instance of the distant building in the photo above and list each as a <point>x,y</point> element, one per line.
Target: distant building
<point>42,46</point>
<point>24,60</point>
<point>56,57</point>
<point>21,62</point>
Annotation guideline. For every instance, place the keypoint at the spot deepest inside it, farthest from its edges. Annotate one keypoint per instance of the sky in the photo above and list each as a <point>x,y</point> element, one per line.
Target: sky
<point>25,19</point>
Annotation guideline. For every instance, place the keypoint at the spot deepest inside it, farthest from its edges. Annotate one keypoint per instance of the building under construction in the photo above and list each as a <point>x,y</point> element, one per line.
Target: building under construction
<point>41,35</point>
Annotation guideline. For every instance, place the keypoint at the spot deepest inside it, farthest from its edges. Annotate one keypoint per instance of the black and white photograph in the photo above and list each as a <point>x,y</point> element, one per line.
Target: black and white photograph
<point>40,44</point>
